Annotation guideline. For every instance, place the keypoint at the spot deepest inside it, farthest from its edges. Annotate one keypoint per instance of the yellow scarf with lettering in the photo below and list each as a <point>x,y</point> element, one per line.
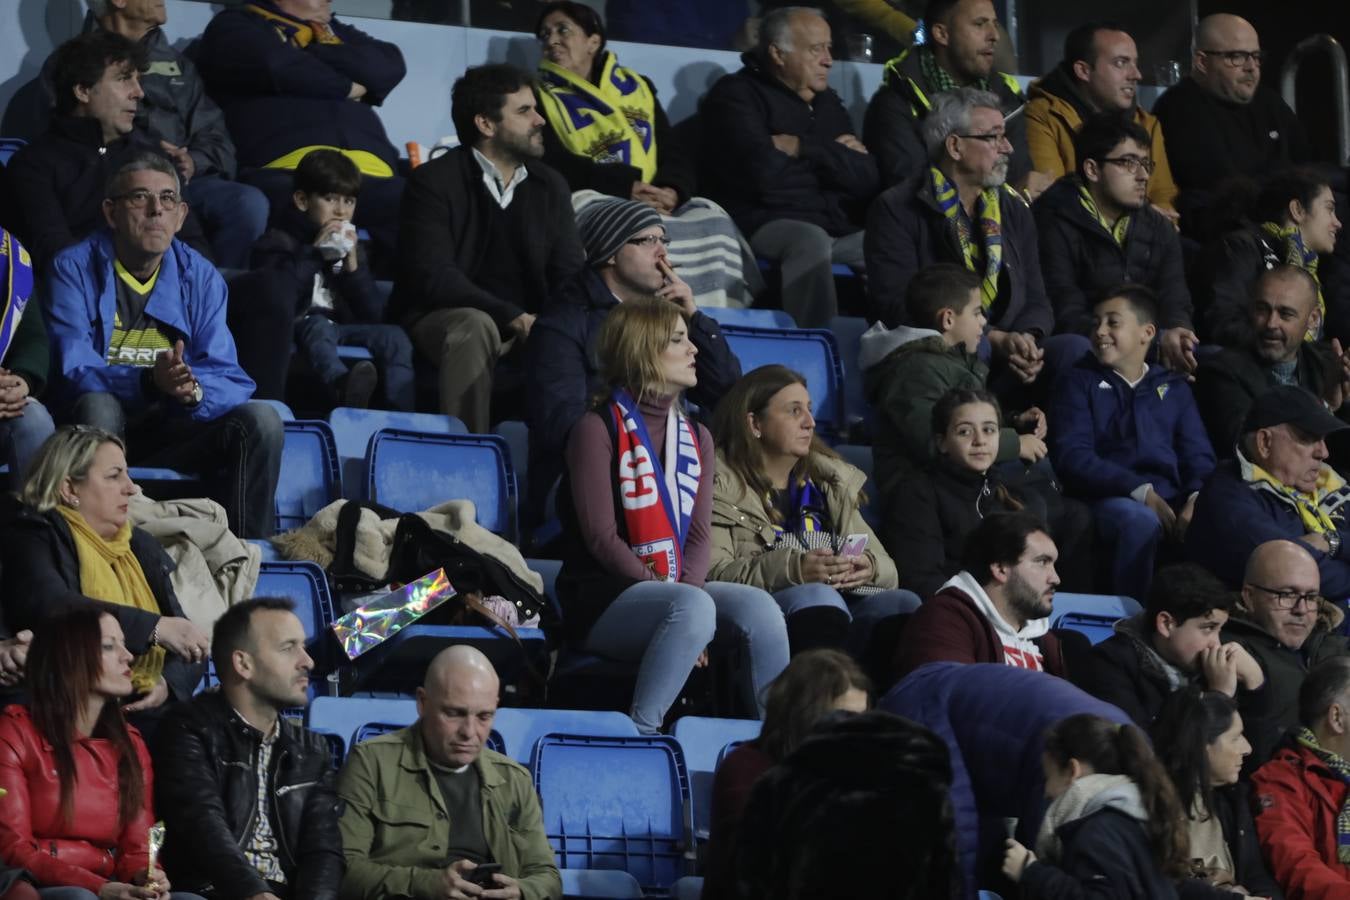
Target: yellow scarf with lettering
<point>110,572</point>
<point>613,121</point>
<point>1314,518</point>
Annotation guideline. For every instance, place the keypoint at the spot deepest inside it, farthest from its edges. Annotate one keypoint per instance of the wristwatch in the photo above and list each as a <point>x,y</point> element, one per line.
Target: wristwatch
<point>197,393</point>
<point>1334,543</point>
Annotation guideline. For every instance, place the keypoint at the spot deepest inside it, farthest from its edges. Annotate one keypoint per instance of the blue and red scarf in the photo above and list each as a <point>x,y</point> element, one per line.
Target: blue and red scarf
<point>16,287</point>
<point>657,495</point>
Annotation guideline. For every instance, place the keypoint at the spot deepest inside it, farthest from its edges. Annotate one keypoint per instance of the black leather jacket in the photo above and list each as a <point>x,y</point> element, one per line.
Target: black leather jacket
<point>206,792</point>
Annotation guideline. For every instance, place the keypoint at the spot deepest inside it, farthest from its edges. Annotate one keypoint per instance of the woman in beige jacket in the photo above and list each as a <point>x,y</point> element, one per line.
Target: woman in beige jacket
<point>784,509</point>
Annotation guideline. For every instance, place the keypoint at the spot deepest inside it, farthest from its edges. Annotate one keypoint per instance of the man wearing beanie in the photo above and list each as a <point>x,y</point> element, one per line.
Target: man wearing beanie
<point>625,259</point>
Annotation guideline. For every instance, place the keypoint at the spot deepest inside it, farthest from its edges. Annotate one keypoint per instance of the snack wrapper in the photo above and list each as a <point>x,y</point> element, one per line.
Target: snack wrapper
<point>156,841</point>
<point>369,625</point>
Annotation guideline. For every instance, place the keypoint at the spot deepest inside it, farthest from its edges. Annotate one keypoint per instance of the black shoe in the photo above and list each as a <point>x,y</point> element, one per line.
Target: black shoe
<point>357,387</point>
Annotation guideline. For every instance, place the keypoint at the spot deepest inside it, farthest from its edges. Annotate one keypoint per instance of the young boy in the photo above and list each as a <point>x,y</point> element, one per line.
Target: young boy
<point>313,246</point>
<point>1172,643</point>
<point>1128,437</point>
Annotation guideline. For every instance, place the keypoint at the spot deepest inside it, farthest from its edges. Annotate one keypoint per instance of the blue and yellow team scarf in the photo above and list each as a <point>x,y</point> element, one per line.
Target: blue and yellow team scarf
<point>1310,512</point>
<point>989,250</point>
<point>1297,255</point>
<point>610,122</point>
<point>807,506</point>
<point>16,283</point>
<point>296,32</point>
<point>1118,231</point>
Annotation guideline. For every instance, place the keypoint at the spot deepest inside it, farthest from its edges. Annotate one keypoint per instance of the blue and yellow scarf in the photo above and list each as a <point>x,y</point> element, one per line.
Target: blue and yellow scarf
<point>989,250</point>
<point>16,287</point>
<point>296,32</point>
<point>613,121</point>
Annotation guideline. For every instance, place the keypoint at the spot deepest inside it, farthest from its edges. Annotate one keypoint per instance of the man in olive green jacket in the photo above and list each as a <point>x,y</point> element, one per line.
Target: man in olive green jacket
<point>428,804</point>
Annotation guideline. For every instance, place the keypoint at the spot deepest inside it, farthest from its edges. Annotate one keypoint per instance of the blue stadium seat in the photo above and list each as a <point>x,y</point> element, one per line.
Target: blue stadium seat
<point>548,570</point>
<point>702,739</point>
<point>860,456</point>
<point>412,470</point>
<point>752,318</point>
<point>310,474</point>
<point>8,147</point>
<point>344,716</point>
<point>615,803</point>
<point>1094,615</point>
<point>599,884</point>
<point>989,895</point>
<point>522,728</point>
<point>143,474</point>
<point>690,887</point>
<point>350,354</point>
<point>847,332</point>
<point>269,552</point>
<point>306,585</point>
<point>400,662</point>
<point>375,729</point>
<point>286,413</point>
<point>517,436</point>
<point>353,429</point>
<point>813,352</point>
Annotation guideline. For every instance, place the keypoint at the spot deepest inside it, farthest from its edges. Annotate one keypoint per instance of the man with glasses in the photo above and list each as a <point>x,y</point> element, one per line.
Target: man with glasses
<point>1220,125</point>
<point>1097,230</point>
<point>140,348</point>
<point>1283,623</point>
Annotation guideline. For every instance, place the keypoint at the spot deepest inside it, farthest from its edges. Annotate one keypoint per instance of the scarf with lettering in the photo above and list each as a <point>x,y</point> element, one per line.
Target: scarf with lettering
<point>16,286</point>
<point>1296,253</point>
<point>1341,769</point>
<point>657,495</point>
<point>989,249</point>
<point>612,121</point>
<point>1310,512</point>
<point>1117,231</point>
<point>296,32</point>
<point>807,506</point>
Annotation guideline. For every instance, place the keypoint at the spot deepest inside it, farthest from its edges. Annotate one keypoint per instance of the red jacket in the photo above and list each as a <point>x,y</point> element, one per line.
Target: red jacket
<point>949,627</point>
<point>92,849</point>
<point>1297,801</point>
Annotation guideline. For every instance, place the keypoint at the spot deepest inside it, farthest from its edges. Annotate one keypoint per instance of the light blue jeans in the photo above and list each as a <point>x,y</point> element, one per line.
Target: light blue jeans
<point>665,627</point>
<point>20,438</point>
<point>865,612</point>
<point>1133,532</point>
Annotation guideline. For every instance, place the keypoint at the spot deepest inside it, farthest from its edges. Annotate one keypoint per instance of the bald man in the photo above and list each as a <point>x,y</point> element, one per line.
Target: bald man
<point>428,804</point>
<point>1220,124</point>
<point>1285,625</point>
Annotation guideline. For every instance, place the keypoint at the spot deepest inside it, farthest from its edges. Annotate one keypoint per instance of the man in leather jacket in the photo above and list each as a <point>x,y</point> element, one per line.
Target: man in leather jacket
<point>248,797</point>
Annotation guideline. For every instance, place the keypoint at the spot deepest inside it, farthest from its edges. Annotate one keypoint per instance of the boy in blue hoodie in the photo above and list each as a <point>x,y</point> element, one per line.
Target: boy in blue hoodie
<point>1128,437</point>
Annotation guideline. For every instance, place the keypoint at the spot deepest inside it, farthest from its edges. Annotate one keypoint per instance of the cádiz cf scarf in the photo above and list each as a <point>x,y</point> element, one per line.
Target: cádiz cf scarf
<point>613,121</point>
<point>807,506</point>
<point>296,32</point>
<point>990,216</point>
<point>657,495</point>
<point>16,287</point>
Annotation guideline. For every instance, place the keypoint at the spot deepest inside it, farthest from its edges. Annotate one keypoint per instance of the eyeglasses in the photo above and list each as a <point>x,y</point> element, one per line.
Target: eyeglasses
<point>1236,59</point>
<point>1132,164</point>
<point>992,140</point>
<point>1286,599</point>
<point>139,198</point>
<point>650,240</point>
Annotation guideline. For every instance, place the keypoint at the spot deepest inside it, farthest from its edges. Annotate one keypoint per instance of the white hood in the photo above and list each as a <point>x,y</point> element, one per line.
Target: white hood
<point>878,342</point>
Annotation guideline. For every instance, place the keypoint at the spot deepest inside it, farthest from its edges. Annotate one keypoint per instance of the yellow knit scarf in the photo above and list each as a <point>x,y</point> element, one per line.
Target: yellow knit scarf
<point>111,573</point>
<point>1314,518</point>
<point>613,121</point>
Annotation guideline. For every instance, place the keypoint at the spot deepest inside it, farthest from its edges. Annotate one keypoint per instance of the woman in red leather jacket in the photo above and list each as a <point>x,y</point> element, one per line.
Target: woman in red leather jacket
<point>77,812</point>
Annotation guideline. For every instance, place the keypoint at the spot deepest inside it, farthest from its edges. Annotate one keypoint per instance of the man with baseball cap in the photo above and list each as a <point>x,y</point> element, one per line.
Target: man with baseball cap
<point>625,245</point>
<point>1278,487</point>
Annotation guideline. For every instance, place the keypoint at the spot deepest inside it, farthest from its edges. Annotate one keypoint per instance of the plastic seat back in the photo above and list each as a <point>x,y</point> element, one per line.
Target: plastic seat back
<point>860,456</point>
<point>353,429</point>
<point>521,727</point>
<point>599,884</point>
<point>750,318</point>
<point>311,477</point>
<point>8,147</point>
<point>306,585</point>
<point>345,716</point>
<point>702,739</point>
<point>812,352</point>
<point>411,471</point>
<point>1093,615</point>
<point>848,330</point>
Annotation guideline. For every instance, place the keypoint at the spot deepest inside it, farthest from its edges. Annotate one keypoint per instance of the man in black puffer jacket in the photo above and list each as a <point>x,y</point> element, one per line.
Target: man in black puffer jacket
<point>228,751</point>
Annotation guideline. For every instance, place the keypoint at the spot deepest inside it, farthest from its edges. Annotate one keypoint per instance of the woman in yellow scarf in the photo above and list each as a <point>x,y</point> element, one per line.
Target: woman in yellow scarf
<point>608,135</point>
<point>70,544</point>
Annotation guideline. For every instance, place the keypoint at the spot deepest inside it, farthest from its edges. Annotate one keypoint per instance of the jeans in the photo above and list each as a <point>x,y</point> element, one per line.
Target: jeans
<point>865,612</point>
<point>804,254</point>
<point>20,438</point>
<point>318,338</point>
<point>233,215</point>
<point>238,455</point>
<point>666,626</point>
<point>1131,530</point>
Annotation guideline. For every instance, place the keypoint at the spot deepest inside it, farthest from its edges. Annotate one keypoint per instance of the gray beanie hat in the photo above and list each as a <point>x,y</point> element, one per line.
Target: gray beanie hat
<point>606,224</point>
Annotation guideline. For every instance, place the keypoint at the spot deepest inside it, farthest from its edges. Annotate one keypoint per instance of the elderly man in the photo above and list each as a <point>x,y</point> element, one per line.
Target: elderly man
<point>1218,123</point>
<point>1228,381</point>
<point>1301,793</point>
<point>1278,488</point>
<point>1098,74</point>
<point>781,156</point>
<point>140,348</point>
<point>1097,231</point>
<point>959,52</point>
<point>459,804</point>
<point>218,753</point>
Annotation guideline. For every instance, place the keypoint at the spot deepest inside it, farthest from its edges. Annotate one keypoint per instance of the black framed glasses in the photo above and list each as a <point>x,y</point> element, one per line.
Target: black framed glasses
<point>139,198</point>
<point>992,140</point>
<point>650,240</point>
<point>1132,164</point>
<point>1287,599</point>
<point>1236,59</point>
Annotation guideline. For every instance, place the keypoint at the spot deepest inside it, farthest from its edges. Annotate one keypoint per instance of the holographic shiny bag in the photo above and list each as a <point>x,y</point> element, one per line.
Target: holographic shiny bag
<point>370,625</point>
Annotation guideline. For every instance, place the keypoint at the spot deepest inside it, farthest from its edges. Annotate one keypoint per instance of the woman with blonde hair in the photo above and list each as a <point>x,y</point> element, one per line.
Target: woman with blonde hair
<point>70,544</point>
<point>784,508</point>
<point>635,504</point>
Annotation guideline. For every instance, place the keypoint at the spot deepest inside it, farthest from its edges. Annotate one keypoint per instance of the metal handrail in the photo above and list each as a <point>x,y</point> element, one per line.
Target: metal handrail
<point>1340,85</point>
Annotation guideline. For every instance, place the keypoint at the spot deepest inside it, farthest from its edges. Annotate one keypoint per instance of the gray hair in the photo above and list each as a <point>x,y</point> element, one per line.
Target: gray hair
<point>775,29</point>
<point>950,114</point>
<point>142,161</point>
<point>68,453</point>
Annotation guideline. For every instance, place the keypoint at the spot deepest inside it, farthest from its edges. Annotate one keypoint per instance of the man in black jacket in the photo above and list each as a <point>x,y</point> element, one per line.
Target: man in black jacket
<point>780,154</point>
<point>248,797</point>
<point>626,259</point>
<point>1097,231</point>
<point>485,232</point>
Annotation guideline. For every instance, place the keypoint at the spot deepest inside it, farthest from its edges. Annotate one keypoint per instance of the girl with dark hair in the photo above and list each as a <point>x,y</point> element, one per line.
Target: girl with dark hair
<point>608,135</point>
<point>784,505</point>
<point>78,780</point>
<point>962,486</point>
<point>1198,736</point>
<point>1114,818</point>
